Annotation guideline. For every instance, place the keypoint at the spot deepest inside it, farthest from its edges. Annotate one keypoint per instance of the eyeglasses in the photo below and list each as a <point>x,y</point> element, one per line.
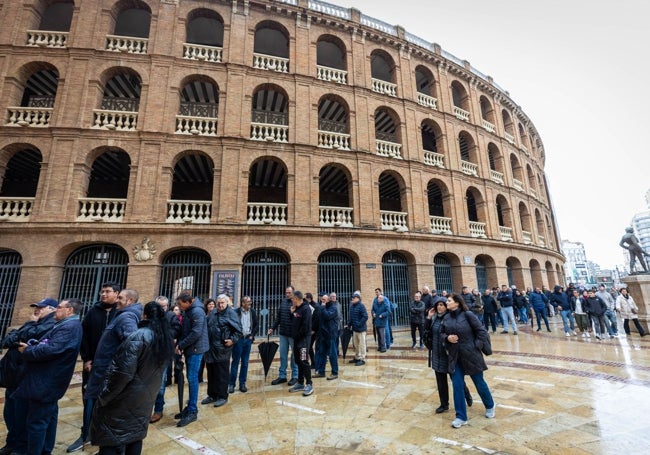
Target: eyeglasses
<point>62,307</point>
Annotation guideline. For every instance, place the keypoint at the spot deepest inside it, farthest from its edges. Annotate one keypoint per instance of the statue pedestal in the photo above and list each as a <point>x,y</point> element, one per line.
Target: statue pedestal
<point>638,286</point>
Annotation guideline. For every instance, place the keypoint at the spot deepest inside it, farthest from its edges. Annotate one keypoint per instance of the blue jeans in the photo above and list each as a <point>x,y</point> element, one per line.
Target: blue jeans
<point>286,343</point>
<point>458,382</point>
<point>523,315</point>
<point>160,398</point>
<point>192,363</point>
<point>540,313</point>
<point>566,318</point>
<point>610,322</point>
<point>41,426</point>
<point>241,351</point>
<point>508,314</point>
<point>326,348</point>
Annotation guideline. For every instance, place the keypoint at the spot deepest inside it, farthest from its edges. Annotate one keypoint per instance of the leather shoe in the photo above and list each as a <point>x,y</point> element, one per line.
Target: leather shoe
<point>442,409</point>
<point>155,417</point>
<point>318,375</point>
<point>277,381</point>
<point>220,402</point>
<point>188,418</point>
<point>243,389</point>
<point>207,400</point>
<point>352,361</point>
<point>231,389</point>
<point>293,382</point>
<point>358,363</point>
<point>181,414</point>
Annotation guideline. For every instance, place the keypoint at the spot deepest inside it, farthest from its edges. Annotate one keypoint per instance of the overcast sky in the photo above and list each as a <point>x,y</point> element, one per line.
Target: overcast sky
<point>580,70</point>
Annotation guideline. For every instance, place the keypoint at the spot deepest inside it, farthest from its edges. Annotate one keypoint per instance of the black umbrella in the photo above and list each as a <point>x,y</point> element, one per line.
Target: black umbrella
<point>267,350</point>
<point>346,336</point>
<point>374,330</point>
<point>179,378</point>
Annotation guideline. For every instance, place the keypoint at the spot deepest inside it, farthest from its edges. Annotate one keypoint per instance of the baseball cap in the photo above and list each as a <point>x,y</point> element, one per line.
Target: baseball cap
<point>356,294</point>
<point>45,302</point>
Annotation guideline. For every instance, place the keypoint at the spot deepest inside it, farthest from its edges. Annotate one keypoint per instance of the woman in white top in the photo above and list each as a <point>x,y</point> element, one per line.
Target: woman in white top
<point>627,307</point>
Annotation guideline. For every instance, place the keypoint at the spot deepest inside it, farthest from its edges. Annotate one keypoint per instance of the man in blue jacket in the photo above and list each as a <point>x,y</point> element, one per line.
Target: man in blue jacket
<point>538,301</point>
<point>49,365</point>
<point>359,325</point>
<point>381,315</point>
<point>560,302</point>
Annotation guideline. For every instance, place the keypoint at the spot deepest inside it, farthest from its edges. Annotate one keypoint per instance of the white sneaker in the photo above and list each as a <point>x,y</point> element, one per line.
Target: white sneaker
<point>567,334</point>
<point>457,423</point>
<point>584,334</point>
<point>588,336</point>
<point>490,413</point>
<point>574,333</point>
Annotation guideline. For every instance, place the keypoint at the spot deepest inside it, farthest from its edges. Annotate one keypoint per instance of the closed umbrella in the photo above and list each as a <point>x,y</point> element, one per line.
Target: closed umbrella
<point>346,336</point>
<point>179,378</point>
<point>267,350</point>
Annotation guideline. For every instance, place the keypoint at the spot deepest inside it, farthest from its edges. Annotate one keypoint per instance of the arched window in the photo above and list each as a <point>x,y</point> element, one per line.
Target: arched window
<point>437,198</point>
<point>192,186</point>
<point>120,101</point>
<point>468,155</point>
<point>333,127</point>
<point>517,172</point>
<point>388,139</point>
<point>390,203</point>
<point>487,114</point>
<point>461,101</point>
<point>267,192</point>
<point>331,64</point>
<point>133,18</point>
<point>443,273</point>
<point>199,108</point>
<point>204,27</point>
<point>475,213</point>
<point>270,114</point>
<point>509,126</point>
<point>526,226</point>
<point>271,48</point>
<point>425,85</point>
<point>336,274</point>
<point>394,268</point>
<point>37,97</point>
<point>432,143</point>
<point>334,197</point>
<point>382,70</point>
<point>21,173</point>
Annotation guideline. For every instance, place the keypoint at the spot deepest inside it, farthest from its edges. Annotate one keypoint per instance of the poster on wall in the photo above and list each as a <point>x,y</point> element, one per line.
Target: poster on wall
<point>225,282</point>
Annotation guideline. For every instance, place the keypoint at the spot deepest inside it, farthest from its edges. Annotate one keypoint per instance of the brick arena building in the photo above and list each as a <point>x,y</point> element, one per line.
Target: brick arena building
<point>240,146</point>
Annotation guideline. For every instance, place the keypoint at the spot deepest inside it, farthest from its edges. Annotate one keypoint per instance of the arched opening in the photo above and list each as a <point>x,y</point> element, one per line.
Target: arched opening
<point>333,123</point>
<point>508,125</point>
<point>204,27</point>
<point>11,263</point>
<point>57,16</point>
<point>132,18</point>
<point>40,88</point>
<point>267,192</point>
<point>442,272</point>
<point>515,272</point>
<point>21,173</point>
<point>487,114</point>
<point>396,287</point>
<point>504,214</point>
<point>468,155</point>
<point>475,215</point>
<point>550,275</point>
<point>120,101</point>
<point>536,273</point>
<point>270,114</point>
<point>271,48</point>
<point>334,200</point>
<point>541,237</point>
<point>425,85</point>
<point>331,59</point>
<point>336,274</point>
<point>32,100</point>
<point>192,186</point>
<point>526,223</point>
<point>496,163</point>
<point>390,202</point>
<point>523,137</point>
<point>486,272</point>
<point>532,184</point>
<point>461,101</point>
<point>186,269</point>
<point>199,108</point>
<point>432,143</point>
<point>382,66</point>
<point>109,175</point>
<point>517,172</point>
<point>438,202</point>
<point>388,139</point>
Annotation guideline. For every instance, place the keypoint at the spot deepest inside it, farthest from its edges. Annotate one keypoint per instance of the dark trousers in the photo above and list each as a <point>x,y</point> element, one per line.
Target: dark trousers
<point>15,415</point>
<point>420,328</point>
<point>301,357</point>
<point>490,319</point>
<point>626,327</point>
<point>135,448</point>
<point>443,388</point>
<point>541,314</point>
<point>312,351</point>
<point>41,426</point>
<point>218,374</point>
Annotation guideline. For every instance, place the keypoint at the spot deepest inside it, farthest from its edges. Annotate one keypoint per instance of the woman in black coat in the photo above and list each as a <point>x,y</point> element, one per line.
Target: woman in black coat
<point>121,414</point>
<point>464,336</point>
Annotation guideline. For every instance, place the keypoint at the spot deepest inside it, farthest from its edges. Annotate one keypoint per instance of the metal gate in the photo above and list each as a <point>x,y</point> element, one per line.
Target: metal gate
<point>265,276</point>
<point>10,267</point>
<point>396,286</point>
<point>336,274</point>
<point>186,269</point>
<point>88,267</point>
<point>511,281</point>
<point>442,273</point>
<point>481,276</point>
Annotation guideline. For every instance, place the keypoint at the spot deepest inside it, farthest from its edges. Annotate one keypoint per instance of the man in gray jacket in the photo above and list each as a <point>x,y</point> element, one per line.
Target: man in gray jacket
<point>610,314</point>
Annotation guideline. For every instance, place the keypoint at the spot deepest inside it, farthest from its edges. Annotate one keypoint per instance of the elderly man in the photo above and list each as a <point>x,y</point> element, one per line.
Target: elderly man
<point>359,325</point>
<point>282,323</point>
<point>242,350</point>
<point>326,341</point>
<point>49,365</point>
<point>381,315</point>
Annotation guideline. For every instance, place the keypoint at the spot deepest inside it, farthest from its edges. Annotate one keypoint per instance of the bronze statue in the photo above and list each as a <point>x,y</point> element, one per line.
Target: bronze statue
<point>631,243</point>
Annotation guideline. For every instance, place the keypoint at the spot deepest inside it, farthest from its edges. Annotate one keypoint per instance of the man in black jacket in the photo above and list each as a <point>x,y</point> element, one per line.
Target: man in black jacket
<point>242,350</point>
<point>301,334</point>
<point>283,324</point>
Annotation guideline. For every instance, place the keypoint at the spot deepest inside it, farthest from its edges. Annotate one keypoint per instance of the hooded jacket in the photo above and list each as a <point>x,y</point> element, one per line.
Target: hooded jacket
<point>559,298</point>
<point>194,332</point>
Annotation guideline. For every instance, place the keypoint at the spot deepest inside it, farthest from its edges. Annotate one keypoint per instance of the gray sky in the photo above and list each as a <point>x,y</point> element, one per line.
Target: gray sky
<point>581,71</point>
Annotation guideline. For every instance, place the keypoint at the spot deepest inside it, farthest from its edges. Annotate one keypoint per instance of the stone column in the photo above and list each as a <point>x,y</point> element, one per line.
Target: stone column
<point>638,286</point>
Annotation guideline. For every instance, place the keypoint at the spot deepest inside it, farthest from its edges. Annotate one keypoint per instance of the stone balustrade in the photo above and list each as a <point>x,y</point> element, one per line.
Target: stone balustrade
<point>194,212</point>
<point>335,216</point>
<point>488,126</point>
<point>203,53</point>
<point>383,87</point>
<point>101,209</point>
<point>533,193</point>
<point>434,159</point>
<point>477,230</point>
<point>197,126</point>
<point>518,184</point>
<point>524,149</point>
<point>509,137</point>
<point>428,101</point>
<point>541,241</point>
<point>267,213</point>
<point>527,237</point>
<point>461,114</point>
<point>389,149</point>
<point>271,63</point>
<point>440,225</point>
<point>332,140</point>
<point>45,38</point>
<point>16,209</point>
<point>325,73</point>
<point>127,44</point>
<point>29,116</point>
<point>115,120</point>
<point>496,176</point>
<point>393,221</point>
<point>269,132</point>
<point>506,233</point>
<point>469,168</point>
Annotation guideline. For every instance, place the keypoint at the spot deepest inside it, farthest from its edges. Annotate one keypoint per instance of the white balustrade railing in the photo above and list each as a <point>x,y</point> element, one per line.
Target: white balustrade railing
<point>389,149</point>
<point>527,237</point>
<point>271,63</point>
<point>428,101</point>
<point>509,137</point>
<point>325,73</point>
<point>16,209</point>
<point>45,38</point>
<point>198,126</point>
<point>128,44</point>
<point>461,114</point>
<point>203,53</point>
<point>115,120</point>
<point>496,176</point>
<point>518,184</point>
<point>533,193</point>
<point>488,126</point>
<point>269,132</point>
<point>477,229</point>
<point>440,225</point>
<point>506,233</point>
<point>434,159</point>
<point>332,140</point>
<point>267,213</point>
<point>469,168</point>
<point>541,240</point>
<point>383,87</point>
<point>196,212</point>
<point>335,216</point>
<point>101,209</point>
<point>393,221</point>
<point>29,116</point>
<point>524,149</point>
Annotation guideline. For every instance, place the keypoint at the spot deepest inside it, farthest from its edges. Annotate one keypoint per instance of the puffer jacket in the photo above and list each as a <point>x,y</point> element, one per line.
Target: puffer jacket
<point>439,356</point>
<point>283,318</point>
<point>194,333</point>
<point>471,338</point>
<point>417,312</point>
<point>358,317</point>
<point>121,414</point>
<point>222,325</point>
<point>538,301</point>
<point>328,327</point>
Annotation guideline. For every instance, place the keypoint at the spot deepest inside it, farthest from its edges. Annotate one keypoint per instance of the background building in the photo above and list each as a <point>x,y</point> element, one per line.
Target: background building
<point>577,268</point>
<point>240,146</point>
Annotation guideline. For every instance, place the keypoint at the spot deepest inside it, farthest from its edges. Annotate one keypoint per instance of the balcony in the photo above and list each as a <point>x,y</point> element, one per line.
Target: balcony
<point>434,159</point>
<point>506,233</point>
<point>269,132</point>
<point>383,87</point>
<point>267,213</point>
<point>188,212</point>
<point>197,126</point>
<point>469,168</point>
<point>115,120</point>
<point>43,38</point>
<point>461,114</point>
<point>541,241</point>
<point>333,140</point>
<point>271,63</point>
<point>524,149</point>
<point>29,116</point>
<point>388,149</point>
<point>127,44</point>
<point>106,210</point>
<point>496,176</point>
<point>509,137</point>
<point>440,225</point>
<point>325,73</point>
<point>533,193</point>
<point>428,101</point>
<point>202,53</point>
<point>518,184</point>
<point>335,216</point>
<point>477,230</point>
<point>16,209</point>
<point>393,221</point>
<point>527,237</point>
<point>488,126</point>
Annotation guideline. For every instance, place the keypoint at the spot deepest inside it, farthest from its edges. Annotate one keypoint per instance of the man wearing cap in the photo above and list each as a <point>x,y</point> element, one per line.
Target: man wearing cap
<point>15,409</point>
<point>610,314</point>
<point>359,325</point>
